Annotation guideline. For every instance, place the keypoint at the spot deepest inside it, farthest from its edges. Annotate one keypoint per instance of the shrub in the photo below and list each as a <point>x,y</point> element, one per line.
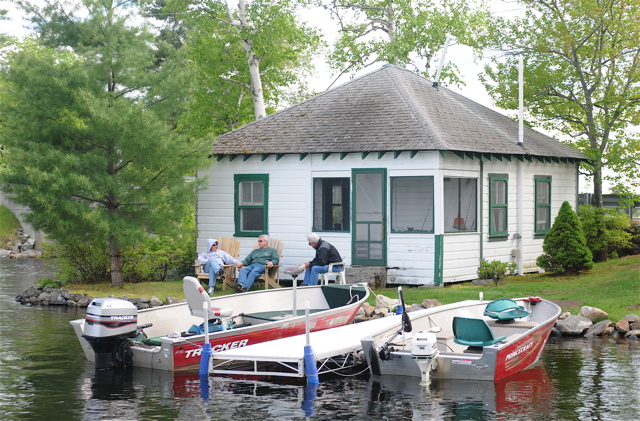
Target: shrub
<point>81,263</point>
<point>49,283</point>
<point>634,246</point>
<point>496,270</point>
<point>605,231</point>
<point>153,259</point>
<point>565,246</point>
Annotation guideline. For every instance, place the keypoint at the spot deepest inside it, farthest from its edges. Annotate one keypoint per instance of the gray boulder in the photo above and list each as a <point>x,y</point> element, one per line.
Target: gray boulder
<point>600,329</point>
<point>415,307</point>
<point>632,334</point>
<point>155,301</point>
<point>593,313</point>
<point>368,309</point>
<point>57,299</point>
<point>430,302</point>
<point>573,325</point>
<point>85,301</point>
<point>44,297</point>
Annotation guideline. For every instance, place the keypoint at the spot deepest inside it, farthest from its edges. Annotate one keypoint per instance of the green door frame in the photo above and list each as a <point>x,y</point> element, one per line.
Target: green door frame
<point>369,233</point>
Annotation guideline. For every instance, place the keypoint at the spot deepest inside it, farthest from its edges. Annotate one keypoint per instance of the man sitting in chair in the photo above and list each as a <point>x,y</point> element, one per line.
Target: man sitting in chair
<point>325,254</point>
<point>255,264</point>
<point>212,261</point>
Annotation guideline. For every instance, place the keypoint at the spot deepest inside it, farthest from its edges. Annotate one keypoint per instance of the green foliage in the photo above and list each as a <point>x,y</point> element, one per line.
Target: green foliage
<point>403,32</point>
<point>581,79</point>
<point>50,283</point>
<point>78,262</point>
<point>152,259</point>
<point>496,270</point>
<point>89,111</point>
<point>565,248</point>
<point>225,42</point>
<point>634,230</point>
<point>605,231</point>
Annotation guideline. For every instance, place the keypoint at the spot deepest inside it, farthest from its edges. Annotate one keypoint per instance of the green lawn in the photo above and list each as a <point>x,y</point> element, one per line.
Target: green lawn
<point>612,286</point>
<point>9,224</point>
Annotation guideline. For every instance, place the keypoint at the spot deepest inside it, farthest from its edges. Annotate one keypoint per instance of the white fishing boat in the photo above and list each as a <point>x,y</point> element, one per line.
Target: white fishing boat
<point>171,337</point>
<point>467,340</point>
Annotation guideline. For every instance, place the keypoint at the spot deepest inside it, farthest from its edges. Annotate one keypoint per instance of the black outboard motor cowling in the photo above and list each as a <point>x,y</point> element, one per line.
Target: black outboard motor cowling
<point>108,325</point>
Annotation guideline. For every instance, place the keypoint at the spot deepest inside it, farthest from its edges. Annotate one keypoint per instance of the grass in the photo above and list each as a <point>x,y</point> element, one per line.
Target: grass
<point>612,286</point>
<point>9,225</point>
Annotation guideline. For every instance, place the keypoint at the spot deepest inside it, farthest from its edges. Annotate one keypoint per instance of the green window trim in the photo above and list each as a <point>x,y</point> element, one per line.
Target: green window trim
<point>542,217</point>
<point>251,204</point>
<point>499,206</point>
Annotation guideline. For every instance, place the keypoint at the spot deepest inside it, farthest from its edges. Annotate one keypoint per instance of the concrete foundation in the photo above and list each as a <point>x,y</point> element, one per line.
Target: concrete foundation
<point>376,276</point>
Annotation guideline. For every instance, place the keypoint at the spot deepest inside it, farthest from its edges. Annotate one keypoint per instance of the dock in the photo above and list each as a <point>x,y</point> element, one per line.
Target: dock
<point>334,349</point>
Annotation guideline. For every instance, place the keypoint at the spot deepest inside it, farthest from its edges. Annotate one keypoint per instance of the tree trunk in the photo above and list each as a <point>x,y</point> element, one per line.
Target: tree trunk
<point>597,188</point>
<point>256,84</point>
<point>254,63</point>
<point>115,258</point>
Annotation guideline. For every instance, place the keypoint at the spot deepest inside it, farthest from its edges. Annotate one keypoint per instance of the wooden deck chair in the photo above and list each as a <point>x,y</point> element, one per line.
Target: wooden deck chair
<point>271,277</point>
<point>232,246</point>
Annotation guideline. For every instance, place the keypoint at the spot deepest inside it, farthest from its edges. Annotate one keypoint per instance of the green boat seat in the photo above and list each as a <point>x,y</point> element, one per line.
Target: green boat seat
<point>473,332</point>
<point>505,309</point>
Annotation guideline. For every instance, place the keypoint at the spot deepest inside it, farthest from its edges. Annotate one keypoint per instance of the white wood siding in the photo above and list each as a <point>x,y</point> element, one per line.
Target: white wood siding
<point>410,256</point>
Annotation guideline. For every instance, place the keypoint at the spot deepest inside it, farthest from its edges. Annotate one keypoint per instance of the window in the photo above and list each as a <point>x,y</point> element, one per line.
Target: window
<point>251,204</point>
<point>460,202</point>
<point>331,199</point>
<point>543,204</point>
<point>498,206</point>
<point>412,204</point>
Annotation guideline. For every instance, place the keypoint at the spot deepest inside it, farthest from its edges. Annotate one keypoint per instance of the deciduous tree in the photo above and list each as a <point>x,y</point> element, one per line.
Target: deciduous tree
<point>245,56</point>
<point>581,79</point>
<point>403,32</point>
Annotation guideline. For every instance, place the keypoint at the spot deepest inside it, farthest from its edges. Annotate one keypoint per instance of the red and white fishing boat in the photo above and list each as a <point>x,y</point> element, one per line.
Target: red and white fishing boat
<point>467,340</point>
<point>171,337</point>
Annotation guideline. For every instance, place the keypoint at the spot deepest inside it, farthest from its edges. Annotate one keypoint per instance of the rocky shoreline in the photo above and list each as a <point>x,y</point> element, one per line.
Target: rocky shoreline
<point>24,249</point>
<point>61,297</point>
<point>590,322</point>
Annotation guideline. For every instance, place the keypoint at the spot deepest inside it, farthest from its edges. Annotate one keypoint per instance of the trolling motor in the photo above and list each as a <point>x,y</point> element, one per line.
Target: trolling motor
<point>385,351</point>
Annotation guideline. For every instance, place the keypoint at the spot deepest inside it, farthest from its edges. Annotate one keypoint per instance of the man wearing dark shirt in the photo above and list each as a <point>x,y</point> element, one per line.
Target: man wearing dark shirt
<point>325,254</point>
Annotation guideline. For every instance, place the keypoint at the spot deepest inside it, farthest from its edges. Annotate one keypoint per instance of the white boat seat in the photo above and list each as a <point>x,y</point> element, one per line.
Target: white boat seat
<point>196,297</point>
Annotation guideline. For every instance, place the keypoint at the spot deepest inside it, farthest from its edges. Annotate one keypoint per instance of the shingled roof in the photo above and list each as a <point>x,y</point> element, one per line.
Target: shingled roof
<point>389,110</point>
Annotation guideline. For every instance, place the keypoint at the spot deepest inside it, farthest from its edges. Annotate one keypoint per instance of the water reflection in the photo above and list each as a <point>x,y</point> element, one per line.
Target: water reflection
<point>43,374</point>
<point>598,377</point>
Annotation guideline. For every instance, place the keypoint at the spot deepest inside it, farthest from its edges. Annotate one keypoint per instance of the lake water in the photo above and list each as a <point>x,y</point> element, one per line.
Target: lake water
<point>44,375</point>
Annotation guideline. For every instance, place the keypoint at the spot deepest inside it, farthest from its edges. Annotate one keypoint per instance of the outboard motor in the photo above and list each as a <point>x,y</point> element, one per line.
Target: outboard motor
<point>424,349</point>
<point>108,325</point>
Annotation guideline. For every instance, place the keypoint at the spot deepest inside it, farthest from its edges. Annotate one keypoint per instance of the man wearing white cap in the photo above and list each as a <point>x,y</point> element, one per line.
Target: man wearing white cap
<point>212,261</point>
<point>325,254</point>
